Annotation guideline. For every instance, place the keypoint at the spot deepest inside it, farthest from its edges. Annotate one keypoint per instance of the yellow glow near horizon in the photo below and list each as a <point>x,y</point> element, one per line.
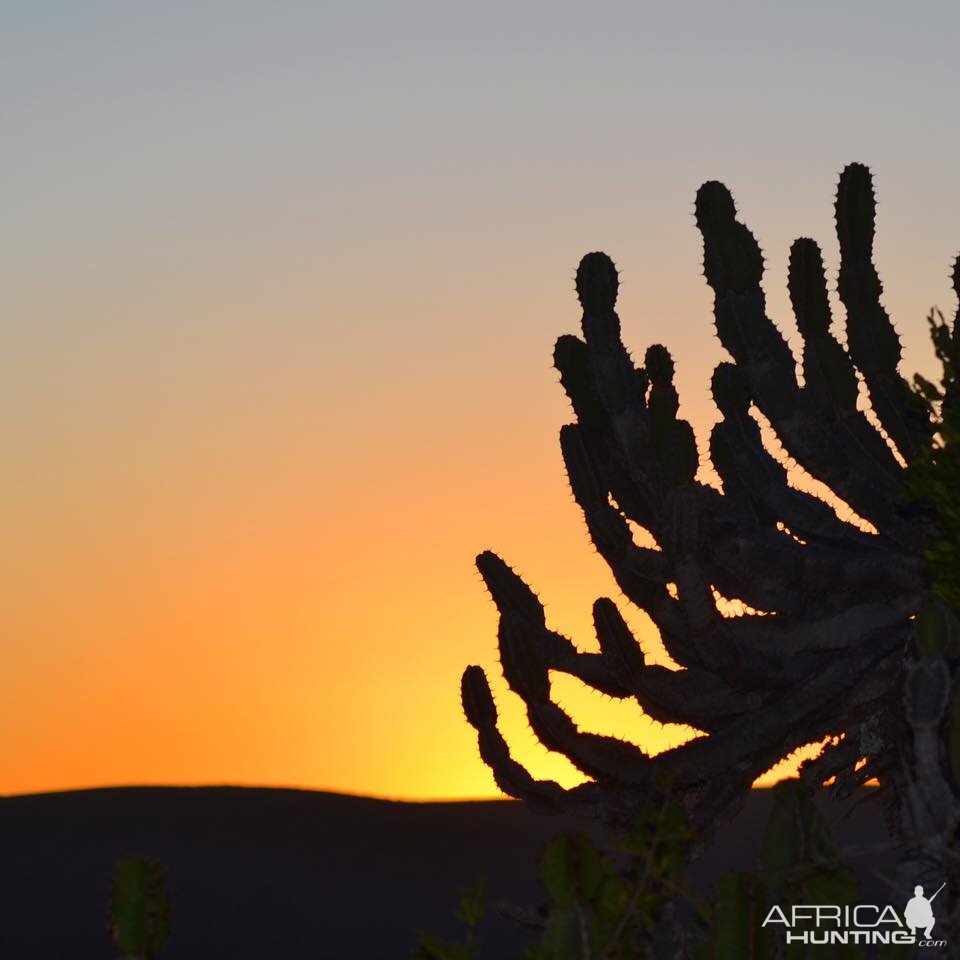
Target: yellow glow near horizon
<point>281,287</point>
<point>269,579</point>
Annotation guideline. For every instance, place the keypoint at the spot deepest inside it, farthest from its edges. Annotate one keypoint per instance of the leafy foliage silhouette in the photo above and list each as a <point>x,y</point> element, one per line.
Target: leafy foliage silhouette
<point>627,897</point>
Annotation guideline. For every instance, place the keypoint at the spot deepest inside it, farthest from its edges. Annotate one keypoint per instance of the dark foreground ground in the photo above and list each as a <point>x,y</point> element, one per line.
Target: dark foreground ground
<point>262,873</point>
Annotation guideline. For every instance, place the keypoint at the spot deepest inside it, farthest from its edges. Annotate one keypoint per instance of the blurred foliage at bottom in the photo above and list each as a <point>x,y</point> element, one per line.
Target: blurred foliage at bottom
<point>626,897</point>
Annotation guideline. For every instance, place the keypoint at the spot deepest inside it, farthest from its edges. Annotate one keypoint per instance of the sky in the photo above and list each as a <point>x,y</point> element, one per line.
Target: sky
<point>280,287</point>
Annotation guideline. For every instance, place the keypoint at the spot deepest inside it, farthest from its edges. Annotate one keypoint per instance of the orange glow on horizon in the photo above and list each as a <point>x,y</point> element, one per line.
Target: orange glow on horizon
<point>277,349</point>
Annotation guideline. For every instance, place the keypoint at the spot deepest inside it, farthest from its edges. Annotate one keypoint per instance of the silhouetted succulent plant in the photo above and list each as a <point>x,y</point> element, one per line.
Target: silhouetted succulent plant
<point>826,644</point>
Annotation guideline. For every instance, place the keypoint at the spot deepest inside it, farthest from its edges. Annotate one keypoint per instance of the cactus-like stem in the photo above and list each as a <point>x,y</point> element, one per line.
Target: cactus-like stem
<point>139,910</point>
<point>827,650</point>
<point>874,344</point>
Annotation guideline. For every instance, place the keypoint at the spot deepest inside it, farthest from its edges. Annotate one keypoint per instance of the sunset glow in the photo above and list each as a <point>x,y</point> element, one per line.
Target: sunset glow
<point>279,310</point>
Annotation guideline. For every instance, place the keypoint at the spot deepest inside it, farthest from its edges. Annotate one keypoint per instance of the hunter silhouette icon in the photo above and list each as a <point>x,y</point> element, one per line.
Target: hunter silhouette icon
<point>918,911</point>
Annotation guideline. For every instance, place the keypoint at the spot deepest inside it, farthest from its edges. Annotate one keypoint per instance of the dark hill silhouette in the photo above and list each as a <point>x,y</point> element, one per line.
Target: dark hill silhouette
<point>271,874</point>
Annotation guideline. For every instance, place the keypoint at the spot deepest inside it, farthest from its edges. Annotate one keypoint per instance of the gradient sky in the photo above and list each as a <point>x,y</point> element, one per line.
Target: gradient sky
<point>280,287</point>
